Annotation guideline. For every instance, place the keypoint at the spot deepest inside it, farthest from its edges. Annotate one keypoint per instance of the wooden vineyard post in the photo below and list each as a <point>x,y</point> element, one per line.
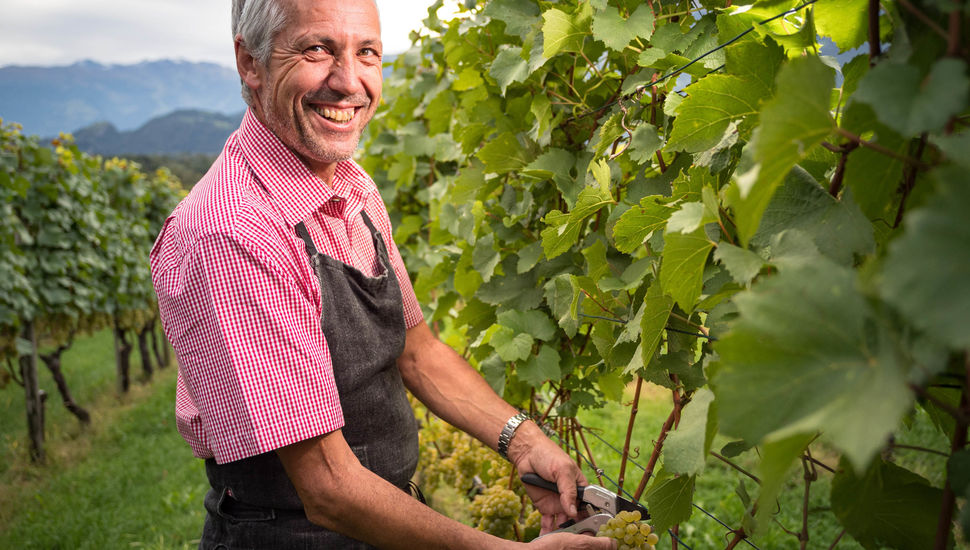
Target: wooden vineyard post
<point>34,400</point>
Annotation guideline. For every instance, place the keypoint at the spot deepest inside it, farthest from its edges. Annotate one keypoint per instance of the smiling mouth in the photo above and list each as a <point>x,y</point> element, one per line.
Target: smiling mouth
<point>336,115</point>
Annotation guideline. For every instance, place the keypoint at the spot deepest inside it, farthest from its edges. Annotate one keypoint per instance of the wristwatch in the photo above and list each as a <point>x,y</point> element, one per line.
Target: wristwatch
<point>508,431</point>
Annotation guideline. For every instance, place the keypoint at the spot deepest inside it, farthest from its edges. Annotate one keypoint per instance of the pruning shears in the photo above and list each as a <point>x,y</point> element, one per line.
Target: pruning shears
<point>600,503</point>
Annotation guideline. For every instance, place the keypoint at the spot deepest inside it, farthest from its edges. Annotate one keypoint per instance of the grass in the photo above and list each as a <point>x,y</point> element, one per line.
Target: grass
<point>127,481</point>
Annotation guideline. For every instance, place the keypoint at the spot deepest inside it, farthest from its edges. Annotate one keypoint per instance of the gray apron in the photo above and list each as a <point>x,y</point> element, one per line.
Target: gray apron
<point>252,503</point>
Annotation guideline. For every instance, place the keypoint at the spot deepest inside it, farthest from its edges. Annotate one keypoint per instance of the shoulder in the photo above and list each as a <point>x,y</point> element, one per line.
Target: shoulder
<point>226,204</point>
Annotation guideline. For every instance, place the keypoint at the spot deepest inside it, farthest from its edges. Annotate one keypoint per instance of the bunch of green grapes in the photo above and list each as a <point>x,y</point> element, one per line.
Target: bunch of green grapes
<point>629,532</point>
<point>496,511</point>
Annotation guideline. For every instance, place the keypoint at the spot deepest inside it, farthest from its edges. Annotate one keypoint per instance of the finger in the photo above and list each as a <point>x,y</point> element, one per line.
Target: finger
<point>547,524</point>
<point>567,494</point>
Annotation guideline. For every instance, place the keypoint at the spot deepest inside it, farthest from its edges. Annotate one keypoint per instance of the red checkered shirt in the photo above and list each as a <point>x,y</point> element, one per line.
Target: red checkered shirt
<point>240,303</point>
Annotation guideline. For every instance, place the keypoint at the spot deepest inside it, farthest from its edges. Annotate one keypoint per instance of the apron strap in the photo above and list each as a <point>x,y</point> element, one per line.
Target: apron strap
<point>311,249</point>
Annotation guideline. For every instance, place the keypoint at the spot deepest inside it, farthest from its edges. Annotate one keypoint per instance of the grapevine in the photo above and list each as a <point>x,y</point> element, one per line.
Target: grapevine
<point>75,242</point>
<point>689,195</point>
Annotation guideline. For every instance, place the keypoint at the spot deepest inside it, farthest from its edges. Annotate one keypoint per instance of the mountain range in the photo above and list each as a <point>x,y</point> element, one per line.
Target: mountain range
<point>155,107</point>
<point>50,100</point>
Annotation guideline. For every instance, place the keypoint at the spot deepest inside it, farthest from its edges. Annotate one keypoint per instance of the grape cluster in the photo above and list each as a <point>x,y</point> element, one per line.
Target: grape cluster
<point>497,511</point>
<point>629,532</point>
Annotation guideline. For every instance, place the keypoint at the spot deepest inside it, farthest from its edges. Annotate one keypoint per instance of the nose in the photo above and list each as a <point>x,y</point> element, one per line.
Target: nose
<point>345,76</point>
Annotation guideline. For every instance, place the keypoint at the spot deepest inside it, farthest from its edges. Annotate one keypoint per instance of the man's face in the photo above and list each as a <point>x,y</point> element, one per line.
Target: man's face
<point>322,82</point>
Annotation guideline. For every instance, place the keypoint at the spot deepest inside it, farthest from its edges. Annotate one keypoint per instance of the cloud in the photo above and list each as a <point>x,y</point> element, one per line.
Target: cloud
<point>61,32</point>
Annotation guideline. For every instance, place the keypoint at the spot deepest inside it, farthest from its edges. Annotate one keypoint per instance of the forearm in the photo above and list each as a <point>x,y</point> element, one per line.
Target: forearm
<point>451,388</point>
<point>339,494</point>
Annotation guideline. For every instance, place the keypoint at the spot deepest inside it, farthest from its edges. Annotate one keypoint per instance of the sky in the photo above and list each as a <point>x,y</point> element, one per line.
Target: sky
<point>61,32</point>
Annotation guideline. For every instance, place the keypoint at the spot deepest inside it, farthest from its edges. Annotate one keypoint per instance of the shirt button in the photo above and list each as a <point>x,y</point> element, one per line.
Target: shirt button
<point>336,199</point>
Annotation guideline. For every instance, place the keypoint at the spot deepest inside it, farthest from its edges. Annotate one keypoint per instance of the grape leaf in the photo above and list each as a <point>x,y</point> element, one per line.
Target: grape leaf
<point>644,143</point>
<point>838,228</point>
<point>685,451</point>
<point>844,21</point>
<point>682,268</point>
<point>887,505</point>
<point>911,104</point>
<point>637,224</point>
<point>711,105</point>
<point>657,307</point>
<point>504,154</point>
<point>717,101</point>
<point>564,32</point>
<point>468,79</point>
<point>511,345</point>
<point>540,367</point>
<point>563,229</point>
<point>792,122</point>
<point>926,269</point>
<point>562,295</point>
<point>774,470</point>
<point>533,322</point>
<point>691,216</point>
<point>518,16</point>
<point>829,367</point>
<point>743,264</point>
<point>509,67</point>
<point>669,502</point>
<point>485,258</point>
<point>612,29</point>
<point>554,163</point>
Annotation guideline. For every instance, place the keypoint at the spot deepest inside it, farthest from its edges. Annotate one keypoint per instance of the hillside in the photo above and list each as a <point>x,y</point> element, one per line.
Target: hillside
<point>49,100</point>
<point>179,132</point>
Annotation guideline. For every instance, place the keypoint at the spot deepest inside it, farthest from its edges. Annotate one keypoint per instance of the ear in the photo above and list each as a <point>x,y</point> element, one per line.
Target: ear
<point>246,65</point>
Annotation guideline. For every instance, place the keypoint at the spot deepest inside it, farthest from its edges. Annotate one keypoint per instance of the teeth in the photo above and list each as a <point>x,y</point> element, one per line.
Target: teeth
<point>337,115</point>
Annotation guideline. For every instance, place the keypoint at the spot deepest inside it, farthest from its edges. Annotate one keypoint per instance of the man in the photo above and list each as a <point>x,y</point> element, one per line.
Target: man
<point>295,325</point>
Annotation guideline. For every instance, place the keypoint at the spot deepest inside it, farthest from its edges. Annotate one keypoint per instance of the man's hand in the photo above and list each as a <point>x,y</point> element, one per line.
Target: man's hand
<point>577,542</point>
<point>532,452</point>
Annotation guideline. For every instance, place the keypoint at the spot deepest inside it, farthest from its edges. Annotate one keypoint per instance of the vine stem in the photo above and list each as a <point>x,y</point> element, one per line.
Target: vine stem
<point>552,403</point>
<point>739,535</point>
<point>917,448</point>
<point>953,49</point>
<point>728,461</point>
<point>658,446</point>
<point>574,427</point>
<point>953,36</point>
<point>910,180</point>
<point>837,539</point>
<point>943,527</point>
<point>810,474</point>
<point>875,49</point>
<point>879,148</point>
<point>629,434</point>
<point>589,454</point>
<point>836,185</point>
<point>923,17</point>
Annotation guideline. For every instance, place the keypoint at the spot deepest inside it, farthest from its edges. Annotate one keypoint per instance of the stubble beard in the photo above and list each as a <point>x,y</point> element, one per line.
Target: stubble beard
<point>299,135</point>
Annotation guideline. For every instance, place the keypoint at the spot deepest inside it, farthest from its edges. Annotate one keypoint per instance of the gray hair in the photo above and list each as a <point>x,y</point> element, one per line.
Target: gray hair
<point>257,22</point>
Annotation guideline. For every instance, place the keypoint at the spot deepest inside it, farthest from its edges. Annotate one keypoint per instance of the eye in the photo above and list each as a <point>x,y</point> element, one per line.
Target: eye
<point>317,49</point>
<point>368,52</point>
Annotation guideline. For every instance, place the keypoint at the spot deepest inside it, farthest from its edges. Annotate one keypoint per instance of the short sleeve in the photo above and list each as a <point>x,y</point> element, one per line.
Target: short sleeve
<point>253,358</point>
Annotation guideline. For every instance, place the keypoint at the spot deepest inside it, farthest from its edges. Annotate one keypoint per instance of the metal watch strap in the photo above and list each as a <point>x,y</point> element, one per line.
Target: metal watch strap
<point>508,431</point>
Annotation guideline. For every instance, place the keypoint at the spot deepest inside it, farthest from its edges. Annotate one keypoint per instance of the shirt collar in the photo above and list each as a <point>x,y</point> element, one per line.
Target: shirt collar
<point>292,187</point>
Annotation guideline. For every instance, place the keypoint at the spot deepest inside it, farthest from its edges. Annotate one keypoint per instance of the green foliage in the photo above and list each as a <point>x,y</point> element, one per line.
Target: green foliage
<point>550,169</point>
<point>76,239</point>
